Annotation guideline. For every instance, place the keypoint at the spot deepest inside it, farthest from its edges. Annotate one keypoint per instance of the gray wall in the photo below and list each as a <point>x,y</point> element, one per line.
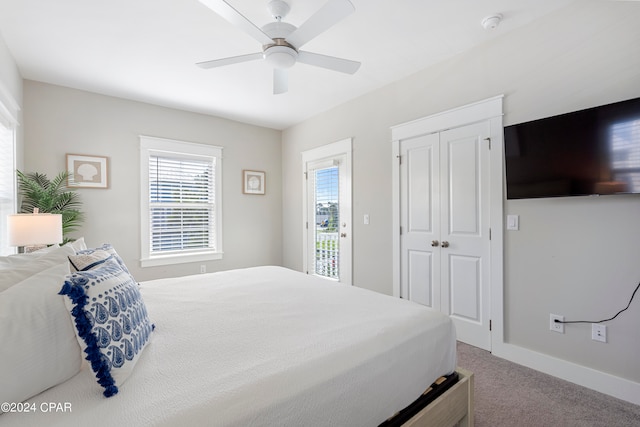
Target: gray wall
<point>59,120</point>
<point>573,256</point>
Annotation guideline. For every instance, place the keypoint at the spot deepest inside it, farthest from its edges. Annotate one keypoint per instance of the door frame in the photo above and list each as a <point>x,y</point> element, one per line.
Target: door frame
<point>486,110</point>
<point>335,149</point>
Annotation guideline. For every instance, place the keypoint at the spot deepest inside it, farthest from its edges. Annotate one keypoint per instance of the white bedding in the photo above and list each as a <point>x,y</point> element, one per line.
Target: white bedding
<point>263,346</point>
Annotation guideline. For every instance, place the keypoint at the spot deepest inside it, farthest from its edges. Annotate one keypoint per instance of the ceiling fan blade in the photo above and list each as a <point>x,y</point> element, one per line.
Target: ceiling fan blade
<point>231,60</point>
<point>330,14</point>
<point>280,81</point>
<point>227,11</point>
<point>328,62</point>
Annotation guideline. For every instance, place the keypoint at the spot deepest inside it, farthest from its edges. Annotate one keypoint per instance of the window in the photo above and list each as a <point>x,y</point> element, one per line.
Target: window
<point>624,146</point>
<point>325,191</point>
<point>7,184</point>
<point>8,113</point>
<point>181,212</point>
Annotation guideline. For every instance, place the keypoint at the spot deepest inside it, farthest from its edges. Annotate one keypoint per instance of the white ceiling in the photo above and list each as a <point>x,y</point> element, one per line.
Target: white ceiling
<point>145,50</point>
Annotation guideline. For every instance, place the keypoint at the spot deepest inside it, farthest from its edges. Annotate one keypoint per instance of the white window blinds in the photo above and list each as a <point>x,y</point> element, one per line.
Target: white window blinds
<point>327,198</point>
<point>181,207</point>
<point>182,203</point>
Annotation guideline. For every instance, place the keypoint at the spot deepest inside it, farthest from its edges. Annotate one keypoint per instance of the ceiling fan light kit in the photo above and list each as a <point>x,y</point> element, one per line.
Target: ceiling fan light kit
<point>281,41</point>
<point>281,56</point>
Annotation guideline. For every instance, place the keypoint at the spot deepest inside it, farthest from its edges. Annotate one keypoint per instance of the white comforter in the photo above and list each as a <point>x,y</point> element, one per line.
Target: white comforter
<point>263,346</point>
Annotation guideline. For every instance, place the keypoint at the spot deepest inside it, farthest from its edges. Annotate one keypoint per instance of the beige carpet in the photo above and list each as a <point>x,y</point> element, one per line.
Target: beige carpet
<point>511,395</point>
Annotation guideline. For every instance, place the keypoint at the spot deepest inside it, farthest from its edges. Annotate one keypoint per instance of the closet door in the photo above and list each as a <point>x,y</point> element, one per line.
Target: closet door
<point>464,231</point>
<point>420,210</point>
<point>444,216</point>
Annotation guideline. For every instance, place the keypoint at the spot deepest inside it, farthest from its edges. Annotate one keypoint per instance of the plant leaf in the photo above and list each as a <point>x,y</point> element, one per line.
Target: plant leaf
<point>51,196</point>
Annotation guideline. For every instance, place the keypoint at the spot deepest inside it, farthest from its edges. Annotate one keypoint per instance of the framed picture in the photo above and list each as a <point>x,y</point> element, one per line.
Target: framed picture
<point>254,182</point>
<point>87,171</point>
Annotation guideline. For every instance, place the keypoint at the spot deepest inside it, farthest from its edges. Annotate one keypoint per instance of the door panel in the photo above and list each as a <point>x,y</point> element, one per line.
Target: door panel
<point>465,205</point>
<point>463,177</point>
<point>464,273</point>
<point>420,165</point>
<point>420,261</point>
<point>421,277</point>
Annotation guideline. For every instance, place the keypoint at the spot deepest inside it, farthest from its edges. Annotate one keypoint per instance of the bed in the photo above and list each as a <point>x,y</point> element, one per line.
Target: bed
<point>260,346</point>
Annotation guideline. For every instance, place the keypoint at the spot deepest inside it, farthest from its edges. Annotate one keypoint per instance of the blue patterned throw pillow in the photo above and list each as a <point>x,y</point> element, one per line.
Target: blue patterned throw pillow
<point>83,258</point>
<point>111,321</point>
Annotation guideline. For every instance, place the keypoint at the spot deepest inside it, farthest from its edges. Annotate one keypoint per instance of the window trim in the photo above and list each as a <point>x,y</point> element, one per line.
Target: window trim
<point>151,145</point>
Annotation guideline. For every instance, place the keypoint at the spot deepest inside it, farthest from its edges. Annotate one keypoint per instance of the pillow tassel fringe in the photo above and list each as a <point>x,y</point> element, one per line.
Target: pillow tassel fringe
<point>103,372</point>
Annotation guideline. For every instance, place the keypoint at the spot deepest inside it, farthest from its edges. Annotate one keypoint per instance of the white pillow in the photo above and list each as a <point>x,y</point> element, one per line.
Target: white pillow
<point>23,270</point>
<point>11,261</point>
<point>38,346</point>
<point>110,319</point>
<point>78,244</point>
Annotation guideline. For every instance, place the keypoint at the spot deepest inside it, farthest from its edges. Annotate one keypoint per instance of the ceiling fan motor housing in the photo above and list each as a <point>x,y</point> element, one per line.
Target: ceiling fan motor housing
<point>278,29</point>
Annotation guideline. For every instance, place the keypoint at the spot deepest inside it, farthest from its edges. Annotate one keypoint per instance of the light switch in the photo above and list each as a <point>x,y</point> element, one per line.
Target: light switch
<point>513,222</point>
<point>366,219</point>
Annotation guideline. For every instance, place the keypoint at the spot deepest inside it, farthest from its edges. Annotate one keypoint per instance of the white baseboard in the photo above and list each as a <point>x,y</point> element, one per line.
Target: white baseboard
<point>596,380</point>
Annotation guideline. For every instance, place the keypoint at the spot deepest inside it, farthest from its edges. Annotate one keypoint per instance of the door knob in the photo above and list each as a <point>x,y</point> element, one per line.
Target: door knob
<point>445,244</point>
<point>434,243</point>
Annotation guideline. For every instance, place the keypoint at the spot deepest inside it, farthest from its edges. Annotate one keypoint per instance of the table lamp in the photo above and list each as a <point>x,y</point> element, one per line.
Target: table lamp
<point>34,231</point>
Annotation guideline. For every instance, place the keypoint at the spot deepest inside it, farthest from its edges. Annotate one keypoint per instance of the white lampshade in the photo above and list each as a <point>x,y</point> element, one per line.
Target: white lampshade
<point>34,229</point>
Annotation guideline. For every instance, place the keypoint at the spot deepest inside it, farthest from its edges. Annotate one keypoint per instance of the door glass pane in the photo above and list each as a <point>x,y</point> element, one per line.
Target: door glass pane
<point>327,218</point>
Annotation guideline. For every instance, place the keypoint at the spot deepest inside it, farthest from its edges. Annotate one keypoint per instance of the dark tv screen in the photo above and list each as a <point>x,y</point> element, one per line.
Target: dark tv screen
<point>589,152</point>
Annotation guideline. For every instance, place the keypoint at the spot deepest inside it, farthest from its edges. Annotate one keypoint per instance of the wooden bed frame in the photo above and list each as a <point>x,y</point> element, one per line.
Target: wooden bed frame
<point>454,407</point>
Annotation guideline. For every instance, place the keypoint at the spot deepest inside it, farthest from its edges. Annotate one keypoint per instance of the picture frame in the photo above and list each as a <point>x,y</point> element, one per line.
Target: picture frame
<point>87,171</point>
<point>253,182</point>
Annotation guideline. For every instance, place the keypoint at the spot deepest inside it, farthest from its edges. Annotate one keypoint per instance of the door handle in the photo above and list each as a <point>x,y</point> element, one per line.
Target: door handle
<point>343,234</point>
<point>434,243</point>
<point>445,244</point>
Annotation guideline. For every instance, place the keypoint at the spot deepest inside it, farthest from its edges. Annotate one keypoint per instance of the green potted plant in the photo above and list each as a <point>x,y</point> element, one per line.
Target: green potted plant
<point>51,196</point>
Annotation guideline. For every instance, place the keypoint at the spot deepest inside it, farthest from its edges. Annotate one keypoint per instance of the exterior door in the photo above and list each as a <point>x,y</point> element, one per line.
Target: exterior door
<point>327,220</point>
<point>445,244</point>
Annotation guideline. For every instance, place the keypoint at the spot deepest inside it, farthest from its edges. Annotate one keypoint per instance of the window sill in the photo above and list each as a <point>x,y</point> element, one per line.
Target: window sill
<point>179,259</point>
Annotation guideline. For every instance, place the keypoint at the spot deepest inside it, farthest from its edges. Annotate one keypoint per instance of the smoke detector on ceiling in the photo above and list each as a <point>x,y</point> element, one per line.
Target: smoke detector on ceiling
<point>491,22</point>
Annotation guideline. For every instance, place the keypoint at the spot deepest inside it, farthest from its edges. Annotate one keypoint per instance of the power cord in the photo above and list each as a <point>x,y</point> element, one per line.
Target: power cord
<point>604,320</point>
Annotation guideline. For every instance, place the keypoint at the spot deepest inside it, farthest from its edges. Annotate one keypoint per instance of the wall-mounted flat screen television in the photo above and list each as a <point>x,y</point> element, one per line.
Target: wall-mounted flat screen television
<point>589,152</point>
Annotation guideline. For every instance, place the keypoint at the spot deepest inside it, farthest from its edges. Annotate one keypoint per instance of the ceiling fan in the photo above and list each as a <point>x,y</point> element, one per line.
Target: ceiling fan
<point>281,42</point>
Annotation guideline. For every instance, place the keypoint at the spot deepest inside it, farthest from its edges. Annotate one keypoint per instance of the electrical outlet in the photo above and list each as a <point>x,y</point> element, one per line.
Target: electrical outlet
<point>556,326</point>
<point>203,268</point>
<point>599,332</point>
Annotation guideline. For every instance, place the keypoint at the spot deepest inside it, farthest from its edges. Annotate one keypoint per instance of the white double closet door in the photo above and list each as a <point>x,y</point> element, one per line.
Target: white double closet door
<point>445,226</point>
